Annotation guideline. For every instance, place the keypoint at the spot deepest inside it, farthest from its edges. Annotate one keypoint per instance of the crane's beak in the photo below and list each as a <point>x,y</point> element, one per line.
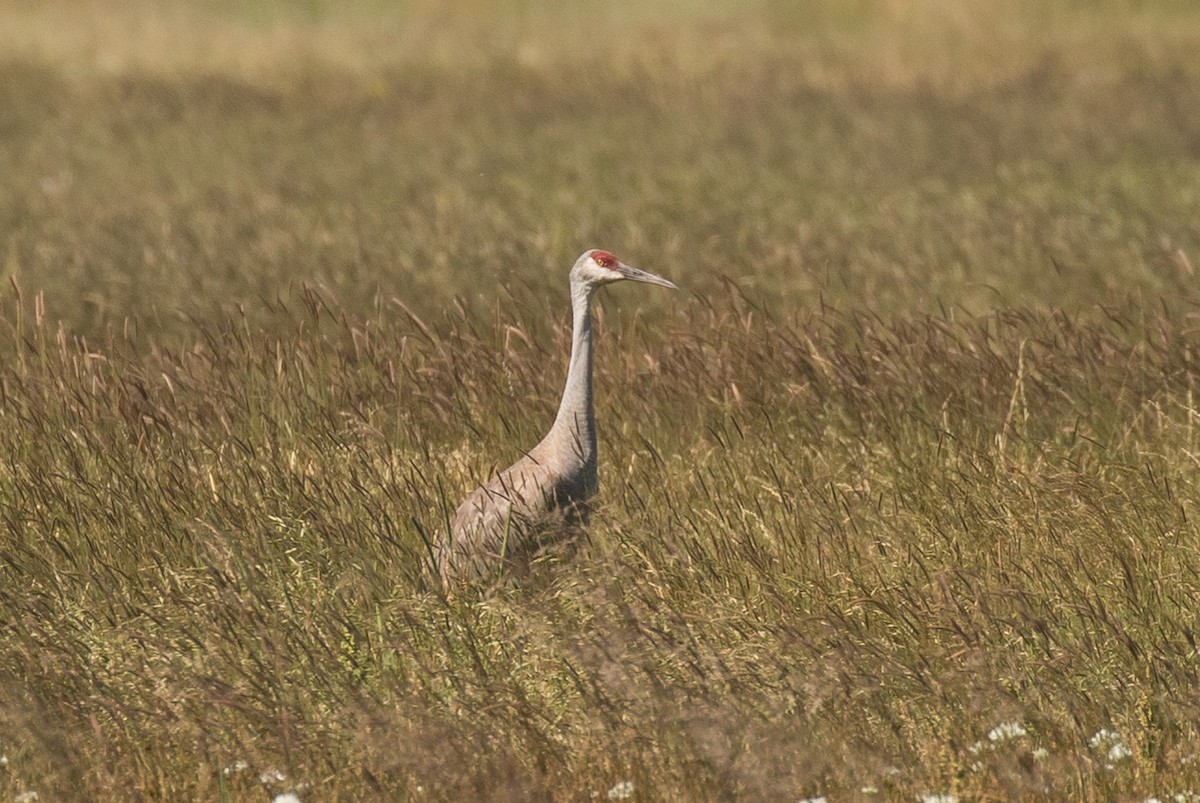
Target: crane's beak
<point>630,272</point>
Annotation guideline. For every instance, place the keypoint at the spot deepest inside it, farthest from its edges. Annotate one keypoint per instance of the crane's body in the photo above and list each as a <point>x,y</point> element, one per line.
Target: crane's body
<point>532,503</point>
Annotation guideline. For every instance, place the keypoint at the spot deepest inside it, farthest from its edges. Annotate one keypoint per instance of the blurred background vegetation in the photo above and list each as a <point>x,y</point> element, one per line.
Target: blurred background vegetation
<point>168,160</point>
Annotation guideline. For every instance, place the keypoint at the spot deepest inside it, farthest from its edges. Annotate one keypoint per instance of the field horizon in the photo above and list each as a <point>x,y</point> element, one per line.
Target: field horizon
<point>898,491</point>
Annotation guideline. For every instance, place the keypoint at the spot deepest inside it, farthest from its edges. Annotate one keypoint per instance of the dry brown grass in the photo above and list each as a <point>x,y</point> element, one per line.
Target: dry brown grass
<point>913,457</point>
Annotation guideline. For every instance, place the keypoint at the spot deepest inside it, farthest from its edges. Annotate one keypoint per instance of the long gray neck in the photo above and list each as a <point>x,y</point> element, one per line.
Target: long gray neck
<point>575,425</point>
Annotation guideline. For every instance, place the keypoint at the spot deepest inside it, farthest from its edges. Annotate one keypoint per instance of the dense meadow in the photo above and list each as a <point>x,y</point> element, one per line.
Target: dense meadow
<point>899,491</point>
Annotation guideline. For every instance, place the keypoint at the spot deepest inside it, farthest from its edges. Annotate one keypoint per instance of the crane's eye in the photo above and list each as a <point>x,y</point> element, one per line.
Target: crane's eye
<point>604,259</point>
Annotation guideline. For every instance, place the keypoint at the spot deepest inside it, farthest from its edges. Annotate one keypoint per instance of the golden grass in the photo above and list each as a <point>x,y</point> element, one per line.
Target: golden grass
<point>898,496</point>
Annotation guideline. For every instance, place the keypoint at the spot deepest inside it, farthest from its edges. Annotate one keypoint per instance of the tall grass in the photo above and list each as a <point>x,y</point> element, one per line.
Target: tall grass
<point>826,549</point>
<point>898,498</point>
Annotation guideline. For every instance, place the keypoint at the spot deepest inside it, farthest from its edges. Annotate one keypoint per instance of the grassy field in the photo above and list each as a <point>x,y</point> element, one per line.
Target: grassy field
<point>898,493</point>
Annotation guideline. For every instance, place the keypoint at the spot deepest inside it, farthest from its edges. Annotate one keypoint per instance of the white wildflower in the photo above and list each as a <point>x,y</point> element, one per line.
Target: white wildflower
<point>1005,731</point>
<point>621,791</point>
<point>1186,797</point>
<point>817,799</point>
<point>3,761</point>
<point>235,768</point>
<point>1041,753</point>
<point>938,799</point>
<point>977,748</point>
<point>1114,747</point>
<point>1119,752</point>
<point>271,776</point>
<point>870,790</point>
<point>286,797</point>
<point>1104,737</point>
<point>26,797</point>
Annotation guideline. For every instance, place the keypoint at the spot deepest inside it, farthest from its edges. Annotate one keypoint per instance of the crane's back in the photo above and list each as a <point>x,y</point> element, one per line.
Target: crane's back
<point>505,523</point>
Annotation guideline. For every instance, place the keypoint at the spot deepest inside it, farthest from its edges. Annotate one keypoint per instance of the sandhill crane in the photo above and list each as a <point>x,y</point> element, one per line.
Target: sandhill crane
<point>505,521</point>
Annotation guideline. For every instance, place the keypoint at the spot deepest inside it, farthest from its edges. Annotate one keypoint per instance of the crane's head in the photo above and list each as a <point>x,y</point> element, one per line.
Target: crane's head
<point>596,267</point>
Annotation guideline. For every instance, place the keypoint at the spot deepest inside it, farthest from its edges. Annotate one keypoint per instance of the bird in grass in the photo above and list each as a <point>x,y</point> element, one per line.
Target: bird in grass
<point>504,523</point>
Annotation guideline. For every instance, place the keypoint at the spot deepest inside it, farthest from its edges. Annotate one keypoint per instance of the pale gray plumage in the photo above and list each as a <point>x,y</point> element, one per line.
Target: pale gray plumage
<point>502,524</point>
